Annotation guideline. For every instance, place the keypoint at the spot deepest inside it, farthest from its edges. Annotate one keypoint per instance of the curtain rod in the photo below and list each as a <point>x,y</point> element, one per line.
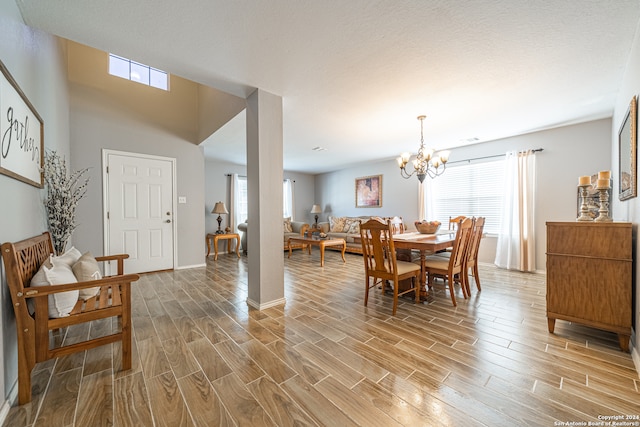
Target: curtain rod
<point>244,176</point>
<point>490,157</point>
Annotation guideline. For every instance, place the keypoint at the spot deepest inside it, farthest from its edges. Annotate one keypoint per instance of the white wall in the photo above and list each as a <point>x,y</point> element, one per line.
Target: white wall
<point>97,123</point>
<point>217,189</point>
<point>36,61</point>
<point>628,210</point>
<point>569,152</point>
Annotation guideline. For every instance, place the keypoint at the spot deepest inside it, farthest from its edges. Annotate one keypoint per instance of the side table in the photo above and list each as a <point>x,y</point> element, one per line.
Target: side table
<point>228,237</point>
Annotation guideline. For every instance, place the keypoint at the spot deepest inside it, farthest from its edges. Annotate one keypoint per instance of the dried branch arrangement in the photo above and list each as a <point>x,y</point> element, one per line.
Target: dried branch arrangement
<point>64,191</point>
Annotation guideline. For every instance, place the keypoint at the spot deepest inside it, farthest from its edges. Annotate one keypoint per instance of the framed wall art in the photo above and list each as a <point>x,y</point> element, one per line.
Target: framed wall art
<point>627,146</point>
<point>21,134</point>
<point>369,192</point>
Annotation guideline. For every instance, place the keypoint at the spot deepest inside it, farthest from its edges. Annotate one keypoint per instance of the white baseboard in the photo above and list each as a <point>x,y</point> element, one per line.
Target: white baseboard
<point>490,264</point>
<point>4,411</point>
<point>635,356</point>
<point>185,267</point>
<point>267,304</point>
<point>12,397</point>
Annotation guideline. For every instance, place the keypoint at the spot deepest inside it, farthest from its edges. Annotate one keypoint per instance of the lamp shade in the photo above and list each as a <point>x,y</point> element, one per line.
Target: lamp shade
<point>316,209</point>
<point>220,208</point>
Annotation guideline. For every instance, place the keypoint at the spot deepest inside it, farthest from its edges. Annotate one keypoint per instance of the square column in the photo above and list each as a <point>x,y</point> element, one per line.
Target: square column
<point>264,187</point>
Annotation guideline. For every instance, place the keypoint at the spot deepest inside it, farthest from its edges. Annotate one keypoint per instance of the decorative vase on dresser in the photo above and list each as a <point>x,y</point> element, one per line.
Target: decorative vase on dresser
<point>589,275</point>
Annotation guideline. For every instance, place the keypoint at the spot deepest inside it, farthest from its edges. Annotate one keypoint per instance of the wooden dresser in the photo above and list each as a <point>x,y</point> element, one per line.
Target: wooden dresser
<point>589,275</point>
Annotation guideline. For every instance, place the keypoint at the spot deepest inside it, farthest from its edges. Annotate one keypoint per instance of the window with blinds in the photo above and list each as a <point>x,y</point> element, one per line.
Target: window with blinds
<point>287,200</point>
<point>242,200</point>
<point>472,190</point>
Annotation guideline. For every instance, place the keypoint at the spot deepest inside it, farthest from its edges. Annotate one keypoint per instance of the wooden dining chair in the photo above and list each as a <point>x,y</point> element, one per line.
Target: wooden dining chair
<point>452,266</point>
<point>380,263</point>
<point>455,221</point>
<point>397,225</point>
<point>472,254</point>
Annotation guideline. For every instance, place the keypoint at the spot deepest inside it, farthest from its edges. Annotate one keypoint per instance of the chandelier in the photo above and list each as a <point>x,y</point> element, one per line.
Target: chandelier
<point>425,163</point>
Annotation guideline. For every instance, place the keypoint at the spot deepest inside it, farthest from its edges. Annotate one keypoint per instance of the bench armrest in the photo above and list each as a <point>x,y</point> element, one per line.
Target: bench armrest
<point>119,257</point>
<point>32,292</point>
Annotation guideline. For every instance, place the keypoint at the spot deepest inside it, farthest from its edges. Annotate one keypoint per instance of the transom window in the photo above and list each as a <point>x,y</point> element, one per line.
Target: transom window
<point>134,71</point>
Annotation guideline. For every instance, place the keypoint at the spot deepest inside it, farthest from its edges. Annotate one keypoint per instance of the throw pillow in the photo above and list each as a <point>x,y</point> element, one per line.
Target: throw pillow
<point>287,225</point>
<point>69,257</point>
<point>337,224</point>
<point>354,228</point>
<point>86,269</point>
<point>61,304</point>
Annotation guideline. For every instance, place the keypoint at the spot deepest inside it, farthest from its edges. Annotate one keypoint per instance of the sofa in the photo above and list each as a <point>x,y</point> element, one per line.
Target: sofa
<point>348,228</point>
<point>290,229</point>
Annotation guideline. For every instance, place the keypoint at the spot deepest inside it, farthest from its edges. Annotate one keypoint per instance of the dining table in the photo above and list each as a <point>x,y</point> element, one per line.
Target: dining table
<point>426,244</point>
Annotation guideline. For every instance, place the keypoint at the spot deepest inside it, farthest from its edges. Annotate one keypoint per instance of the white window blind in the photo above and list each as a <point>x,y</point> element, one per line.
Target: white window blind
<point>472,190</point>
<point>287,199</point>
<point>242,200</point>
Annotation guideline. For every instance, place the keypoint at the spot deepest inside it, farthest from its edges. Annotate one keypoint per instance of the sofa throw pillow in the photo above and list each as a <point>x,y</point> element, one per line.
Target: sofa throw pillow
<point>61,304</point>
<point>86,269</point>
<point>69,257</point>
<point>287,225</point>
<point>355,227</point>
<point>337,224</point>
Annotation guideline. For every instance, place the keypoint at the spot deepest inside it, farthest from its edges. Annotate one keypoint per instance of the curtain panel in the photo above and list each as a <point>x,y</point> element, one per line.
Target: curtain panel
<point>516,240</point>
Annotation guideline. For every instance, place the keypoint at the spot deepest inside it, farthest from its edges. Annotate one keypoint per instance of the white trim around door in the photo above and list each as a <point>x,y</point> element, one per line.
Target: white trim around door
<point>152,206</point>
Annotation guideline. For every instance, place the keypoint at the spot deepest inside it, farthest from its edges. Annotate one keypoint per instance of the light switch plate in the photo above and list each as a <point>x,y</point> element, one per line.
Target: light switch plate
<point>182,199</point>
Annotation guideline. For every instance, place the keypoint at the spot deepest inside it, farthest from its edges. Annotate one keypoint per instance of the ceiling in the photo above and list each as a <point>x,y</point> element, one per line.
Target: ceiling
<point>354,75</point>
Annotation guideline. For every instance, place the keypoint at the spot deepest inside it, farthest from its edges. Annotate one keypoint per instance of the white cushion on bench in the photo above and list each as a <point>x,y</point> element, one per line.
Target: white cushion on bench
<point>85,269</point>
<point>57,273</point>
<point>69,257</point>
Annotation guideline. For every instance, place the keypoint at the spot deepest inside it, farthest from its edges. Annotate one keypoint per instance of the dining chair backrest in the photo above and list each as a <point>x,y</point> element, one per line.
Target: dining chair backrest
<point>472,255</point>
<point>455,221</point>
<point>377,248</point>
<point>474,245</point>
<point>452,268</point>
<point>397,225</point>
<point>460,245</point>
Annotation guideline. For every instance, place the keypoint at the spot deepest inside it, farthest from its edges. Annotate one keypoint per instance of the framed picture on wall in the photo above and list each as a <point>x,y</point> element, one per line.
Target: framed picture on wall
<point>627,146</point>
<point>369,192</point>
<point>21,134</point>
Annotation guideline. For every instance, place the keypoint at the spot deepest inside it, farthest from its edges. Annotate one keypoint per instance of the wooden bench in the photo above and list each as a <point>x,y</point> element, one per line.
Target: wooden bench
<point>22,261</point>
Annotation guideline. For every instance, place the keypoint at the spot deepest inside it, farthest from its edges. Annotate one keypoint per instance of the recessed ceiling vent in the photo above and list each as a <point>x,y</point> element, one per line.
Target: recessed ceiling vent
<point>470,140</point>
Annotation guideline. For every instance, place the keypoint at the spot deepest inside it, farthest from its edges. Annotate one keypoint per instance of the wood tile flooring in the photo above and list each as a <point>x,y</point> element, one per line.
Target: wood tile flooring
<point>202,357</point>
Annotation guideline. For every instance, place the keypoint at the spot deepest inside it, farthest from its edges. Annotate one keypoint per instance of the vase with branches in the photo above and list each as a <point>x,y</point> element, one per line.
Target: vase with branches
<point>64,191</point>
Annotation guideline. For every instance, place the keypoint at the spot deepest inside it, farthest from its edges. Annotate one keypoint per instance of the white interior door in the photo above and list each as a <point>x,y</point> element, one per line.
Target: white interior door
<point>139,210</point>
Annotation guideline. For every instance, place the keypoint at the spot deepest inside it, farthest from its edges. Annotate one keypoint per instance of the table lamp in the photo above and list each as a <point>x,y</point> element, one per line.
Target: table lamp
<point>316,210</point>
<point>219,209</point>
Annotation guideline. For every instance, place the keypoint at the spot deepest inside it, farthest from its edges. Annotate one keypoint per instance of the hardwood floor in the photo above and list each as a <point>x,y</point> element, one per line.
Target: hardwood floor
<point>202,357</point>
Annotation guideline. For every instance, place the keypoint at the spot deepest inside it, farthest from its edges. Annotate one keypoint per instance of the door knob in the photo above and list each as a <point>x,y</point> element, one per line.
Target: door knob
<point>168,221</point>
